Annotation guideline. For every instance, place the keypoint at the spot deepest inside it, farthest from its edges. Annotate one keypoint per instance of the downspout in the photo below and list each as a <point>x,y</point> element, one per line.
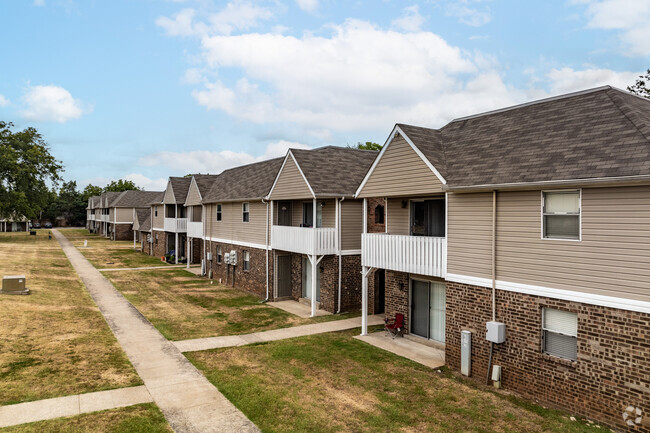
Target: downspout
<point>494,279</point>
<point>267,250</point>
<point>338,216</point>
<point>203,215</point>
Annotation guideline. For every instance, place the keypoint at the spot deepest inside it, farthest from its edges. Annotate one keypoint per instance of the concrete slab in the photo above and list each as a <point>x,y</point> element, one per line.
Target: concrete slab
<point>275,334</point>
<point>72,405</point>
<point>407,348</point>
<point>175,385</point>
<point>297,308</point>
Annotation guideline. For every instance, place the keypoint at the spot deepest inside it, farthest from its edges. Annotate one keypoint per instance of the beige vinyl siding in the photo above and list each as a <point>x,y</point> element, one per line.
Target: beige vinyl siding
<point>124,215</point>
<point>158,222</point>
<point>169,195</point>
<point>612,259</point>
<point>351,224</point>
<point>469,234</point>
<point>290,183</point>
<point>397,217</point>
<point>193,195</point>
<point>400,172</point>
<point>231,227</point>
<point>111,214</point>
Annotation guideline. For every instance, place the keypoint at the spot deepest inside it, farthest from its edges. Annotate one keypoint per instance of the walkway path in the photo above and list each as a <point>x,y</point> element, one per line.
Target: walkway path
<point>275,334</point>
<point>187,399</point>
<point>72,405</point>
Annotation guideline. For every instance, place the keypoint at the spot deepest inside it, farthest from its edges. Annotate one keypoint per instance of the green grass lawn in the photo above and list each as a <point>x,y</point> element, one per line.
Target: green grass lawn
<point>142,418</point>
<point>183,306</point>
<point>335,383</point>
<point>104,253</point>
<point>53,342</point>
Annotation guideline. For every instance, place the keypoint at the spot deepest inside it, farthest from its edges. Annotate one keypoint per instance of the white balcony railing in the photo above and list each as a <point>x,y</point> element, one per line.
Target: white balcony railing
<point>413,254</point>
<point>176,225</point>
<point>91,217</point>
<point>105,218</point>
<point>304,240</point>
<point>194,229</point>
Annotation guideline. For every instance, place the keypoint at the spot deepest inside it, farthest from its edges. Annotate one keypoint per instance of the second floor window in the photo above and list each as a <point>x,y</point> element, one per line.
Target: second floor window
<point>379,214</point>
<point>245,212</point>
<point>218,212</point>
<point>196,214</point>
<point>308,214</point>
<point>561,215</point>
<point>155,211</point>
<point>428,218</point>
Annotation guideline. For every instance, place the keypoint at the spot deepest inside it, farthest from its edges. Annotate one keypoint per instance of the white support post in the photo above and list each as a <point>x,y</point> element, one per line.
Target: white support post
<point>314,281</point>
<point>365,215</point>
<point>176,248</point>
<point>134,240</point>
<point>188,251</point>
<point>364,299</point>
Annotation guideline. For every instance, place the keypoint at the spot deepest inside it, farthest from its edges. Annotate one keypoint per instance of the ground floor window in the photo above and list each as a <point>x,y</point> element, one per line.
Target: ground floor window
<point>247,260</point>
<point>219,255</point>
<point>428,309</point>
<point>560,333</point>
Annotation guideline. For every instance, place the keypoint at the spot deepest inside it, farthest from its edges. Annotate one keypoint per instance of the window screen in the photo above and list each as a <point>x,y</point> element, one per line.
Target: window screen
<point>247,260</point>
<point>560,333</point>
<point>245,212</point>
<point>562,215</point>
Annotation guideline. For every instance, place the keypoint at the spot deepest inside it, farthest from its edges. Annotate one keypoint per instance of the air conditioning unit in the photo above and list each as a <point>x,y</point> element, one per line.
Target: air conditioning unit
<point>14,285</point>
<point>233,257</point>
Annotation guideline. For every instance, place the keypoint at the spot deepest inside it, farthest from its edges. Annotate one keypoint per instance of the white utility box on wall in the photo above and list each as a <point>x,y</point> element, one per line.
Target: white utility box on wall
<point>496,332</point>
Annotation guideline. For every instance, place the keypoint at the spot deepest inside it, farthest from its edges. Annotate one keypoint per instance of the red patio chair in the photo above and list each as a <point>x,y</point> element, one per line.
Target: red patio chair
<point>395,327</point>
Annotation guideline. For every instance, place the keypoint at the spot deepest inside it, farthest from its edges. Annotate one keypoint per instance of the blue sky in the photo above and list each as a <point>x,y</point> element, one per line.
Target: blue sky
<point>146,89</point>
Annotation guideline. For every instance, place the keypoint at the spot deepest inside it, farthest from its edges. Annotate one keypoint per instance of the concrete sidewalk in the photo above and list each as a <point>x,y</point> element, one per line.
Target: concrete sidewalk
<point>275,334</point>
<point>187,399</point>
<point>72,405</point>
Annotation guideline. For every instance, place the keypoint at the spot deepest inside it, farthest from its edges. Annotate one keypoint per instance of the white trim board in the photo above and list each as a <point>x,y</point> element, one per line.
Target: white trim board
<point>548,292</point>
<point>239,243</point>
<point>350,252</point>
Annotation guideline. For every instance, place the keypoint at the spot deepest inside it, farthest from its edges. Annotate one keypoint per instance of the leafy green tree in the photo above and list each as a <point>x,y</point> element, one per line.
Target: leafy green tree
<point>369,145</point>
<point>71,205</point>
<point>121,185</point>
<point>26,168</point>
<point>90,190</point>
<point>641,86</point>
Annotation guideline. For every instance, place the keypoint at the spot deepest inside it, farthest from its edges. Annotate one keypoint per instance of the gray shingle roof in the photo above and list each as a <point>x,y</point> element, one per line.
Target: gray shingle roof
<point>180,186</point>
<point>137,198</point>
<point>142,214</point>
<point>601,133</point>
<point>204,182</point>
<point>110,197</point>
<point>145,225</point>
<point>334,171</point>
<point>247,182</point>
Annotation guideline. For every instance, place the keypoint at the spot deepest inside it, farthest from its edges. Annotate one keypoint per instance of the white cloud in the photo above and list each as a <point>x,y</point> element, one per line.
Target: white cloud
<point>468,14</point>
<point>39,3</point>
<point>629,17</point>
<point>410,21</point>
<point>148,184</point>
<point>237,15</point>
<point>214,162</point>
<point>4,101</point>
<point>307,5</point>
<point>51,104</point>
<point>569,80</point>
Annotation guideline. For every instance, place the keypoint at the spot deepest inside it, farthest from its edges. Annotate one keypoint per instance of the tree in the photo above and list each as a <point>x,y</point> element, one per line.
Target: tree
<point>70,204</point>
<point>641,86</point>
<point>26,167</point>
<point>90,190</point>
<point>369,145</point>
<point>121,185</point>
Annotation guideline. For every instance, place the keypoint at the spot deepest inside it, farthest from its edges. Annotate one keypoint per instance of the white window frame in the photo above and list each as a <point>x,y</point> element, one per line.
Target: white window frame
<point>219,255</point>
<point>155,211</point>
<point>247,263</point>
<point>219,213</point>
<point>544,330</point>
<point>579,191</point>
<point>246,212</point>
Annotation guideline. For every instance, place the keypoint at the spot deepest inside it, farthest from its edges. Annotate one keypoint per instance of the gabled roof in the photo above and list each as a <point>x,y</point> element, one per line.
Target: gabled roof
<point>180,186</point>
<point>333,171</point>
<point>247,182</point>
<point>602,133</point>
<point>145,225</point>
<point>110,197</point>
<point>204,182</point>
<point>141,215</point>
<point>156,198</point>
<point>136,198</point>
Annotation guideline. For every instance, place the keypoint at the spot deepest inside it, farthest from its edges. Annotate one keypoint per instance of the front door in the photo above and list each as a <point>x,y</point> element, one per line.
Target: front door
<point>284,213</point>
<point>284,276</point>
<point>380,292</point>
<point>306,280</point>
<point>428,310</point>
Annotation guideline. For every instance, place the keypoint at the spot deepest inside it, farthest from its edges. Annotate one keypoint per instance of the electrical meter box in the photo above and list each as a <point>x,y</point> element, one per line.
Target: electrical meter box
<point>226,258</point>
<point>233,257</point>
<point>496,332</point>
<point>209,256</point>
<point>14,285</point>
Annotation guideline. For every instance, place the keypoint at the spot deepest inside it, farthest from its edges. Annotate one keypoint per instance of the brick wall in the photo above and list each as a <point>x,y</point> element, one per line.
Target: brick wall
<point>252,281</point>
<point>374,227</point>
<point>611,373</point>
<point>397,295</point>
<point>123,232</point>
<point>160,245</point>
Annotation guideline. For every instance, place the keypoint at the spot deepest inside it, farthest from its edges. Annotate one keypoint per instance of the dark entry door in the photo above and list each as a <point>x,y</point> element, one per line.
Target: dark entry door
<point>284,213</point>
<point>420,308</point>
<point>284,276</point>
<point>380,296</point>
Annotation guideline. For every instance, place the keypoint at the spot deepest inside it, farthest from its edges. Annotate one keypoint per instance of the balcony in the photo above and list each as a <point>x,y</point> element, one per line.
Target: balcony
<point>105,218</point>
<point>175,225</point>
<point>413,254</point>
<point>303,240</point>
<point>91,217</point>
<point>194,229</point>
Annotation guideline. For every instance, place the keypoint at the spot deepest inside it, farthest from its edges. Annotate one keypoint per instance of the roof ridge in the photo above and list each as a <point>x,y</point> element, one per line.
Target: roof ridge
<point>250,164</point>
<point>632,121</point>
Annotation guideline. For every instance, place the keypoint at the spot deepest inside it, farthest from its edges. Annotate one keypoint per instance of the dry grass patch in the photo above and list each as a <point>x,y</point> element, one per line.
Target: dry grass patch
<point>183,306</point>
<point>104,253</point>
<point>335,383</point>
<point>54,341</point>
<point>141,418</point>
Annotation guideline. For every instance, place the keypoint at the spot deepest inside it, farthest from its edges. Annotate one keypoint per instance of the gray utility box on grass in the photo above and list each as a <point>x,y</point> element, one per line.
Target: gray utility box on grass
<point>14,285</point>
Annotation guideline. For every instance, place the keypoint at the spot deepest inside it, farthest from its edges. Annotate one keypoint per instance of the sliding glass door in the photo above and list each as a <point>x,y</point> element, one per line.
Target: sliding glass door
<point>306,280</point>
<point>428,310</point>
